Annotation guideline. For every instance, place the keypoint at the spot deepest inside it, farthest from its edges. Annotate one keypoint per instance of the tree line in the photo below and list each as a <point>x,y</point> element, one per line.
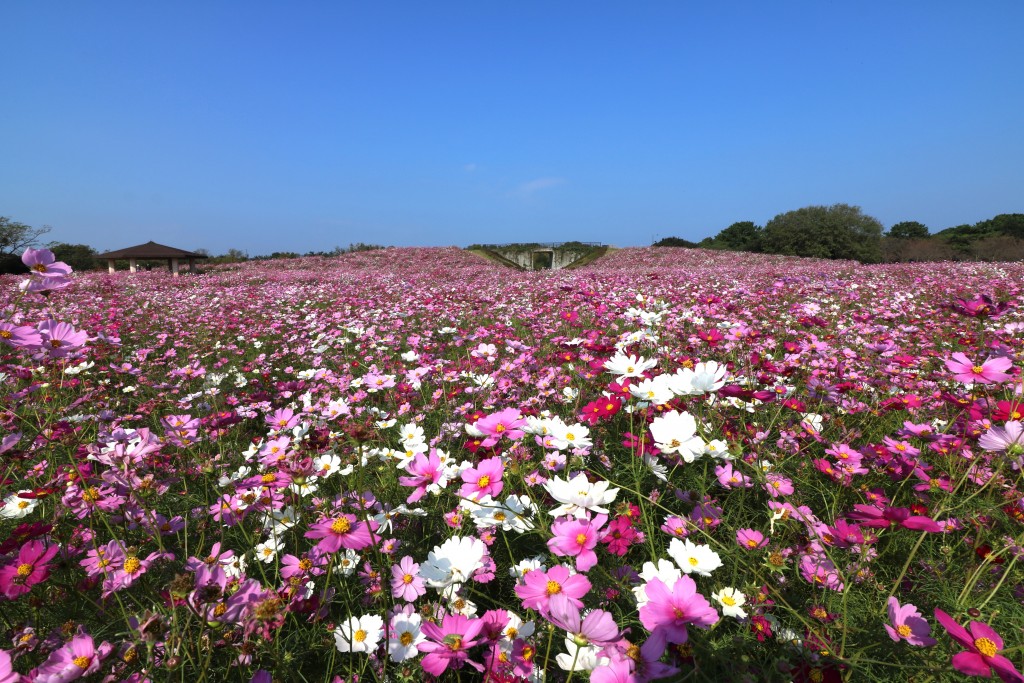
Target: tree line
<point>15,237</point>
<point>841,231</point>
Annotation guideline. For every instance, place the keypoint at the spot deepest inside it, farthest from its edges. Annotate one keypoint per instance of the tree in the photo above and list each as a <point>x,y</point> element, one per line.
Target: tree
<point>741,236</point>
<point>1011,224</point>
<point>909,230</point>
<point>839,231</point>
<point>674,242</point>
<point>15,237</point>
<point>79,256</point>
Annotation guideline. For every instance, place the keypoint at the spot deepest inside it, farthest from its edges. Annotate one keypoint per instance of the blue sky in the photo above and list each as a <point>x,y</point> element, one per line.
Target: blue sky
<point>272,126</point>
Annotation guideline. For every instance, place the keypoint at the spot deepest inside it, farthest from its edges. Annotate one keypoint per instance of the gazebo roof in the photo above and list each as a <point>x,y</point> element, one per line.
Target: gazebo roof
<point>150,250</point>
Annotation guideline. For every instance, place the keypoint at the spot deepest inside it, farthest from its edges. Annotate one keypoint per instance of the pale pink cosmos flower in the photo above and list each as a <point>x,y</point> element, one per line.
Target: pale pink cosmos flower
<point>992,371</point>
<point>405,580</point>
<point>1009,438</point>
<point>7,673</point>
<point>908,624</point>
<point>42,263</point>
<point>750,539</point>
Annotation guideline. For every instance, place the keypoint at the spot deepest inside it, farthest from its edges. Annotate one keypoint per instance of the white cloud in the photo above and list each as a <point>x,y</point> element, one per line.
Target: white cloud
<point>531,187</point>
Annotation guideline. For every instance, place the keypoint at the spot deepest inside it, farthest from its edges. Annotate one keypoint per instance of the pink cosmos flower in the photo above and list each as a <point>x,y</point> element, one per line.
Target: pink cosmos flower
<point>538,587</point>
<point>777,485</point>
<point>60,339</point>
<point>577,538</point>
<point>19,336</point>
<point>342,531</point>
<point>750,539</point>
<point>505,423</point>
<point>7,674</point>
<point>425,472</point>
<point>908,625</point>
<point>983,645</point>
<point>447,643</point>
<point>79,657</point>
<point>405,580</point>
<point>992,371</point>
<point>42,263</point>
<point>31,567</point>
<point>667,612</point>
<point>483,480</point>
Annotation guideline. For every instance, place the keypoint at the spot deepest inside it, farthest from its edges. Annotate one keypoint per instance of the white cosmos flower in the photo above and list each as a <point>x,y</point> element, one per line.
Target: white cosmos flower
<point>732,602</point>
<point>708,377</point>
<point>359,634</point>
<point>570,436</point>
<point>16,508</point>
<point>693,558</point>
<point>266,551</point>
<point>327,464</point>
<point>628,366</point>
<point>586,657</point>
<point>452,562</point>
<point>512,515</point>
<point>676,432</point>
<point>655,391</point>
<point>348,562</point>
<point>406,637</point>
<point>523,567</point>
<point>664,571</point>
<point>578,495</point>
<point>717,448</point>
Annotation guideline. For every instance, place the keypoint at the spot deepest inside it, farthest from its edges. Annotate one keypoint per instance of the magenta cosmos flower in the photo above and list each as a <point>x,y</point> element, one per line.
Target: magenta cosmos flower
<point>341,531</point>
<point>447,643</point>
<point>577,538</point>
<point>19,335</point>
<point>983,645</point>
<point>79,657</point>
<point>30,568</point>
<point>668,611</point>
<point>908,624</point>
<point>992,371</point>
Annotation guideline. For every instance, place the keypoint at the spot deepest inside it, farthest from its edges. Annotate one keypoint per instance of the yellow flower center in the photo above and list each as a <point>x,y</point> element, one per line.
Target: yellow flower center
<point>359,636</point>
<point>483,481</point>
<point>553,588</point>
<point>500,428</point>
<point>268,478</point>
<point>581,539</point>
<point>220,609</point>
<point>6,334</point>
<point>22,504</point>
<point>406,638</point>
<point>903,630</point>
<point>82,662</point>
<point>305,564</point>
<point>693,561</point>
<point>986,647</point>
<point>340,526</point>
<point>24,569</point>
<point>728,600</point>
<point>751,543</point>
<point>90,495</point>
<point>977,369</point>
<point>132,564</point>
<point>407,579</point>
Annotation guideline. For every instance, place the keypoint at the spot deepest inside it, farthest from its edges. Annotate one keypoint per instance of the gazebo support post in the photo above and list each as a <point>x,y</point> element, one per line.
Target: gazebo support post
<point>110,265</point>
<point>133,265</point>
<point>174,267</point>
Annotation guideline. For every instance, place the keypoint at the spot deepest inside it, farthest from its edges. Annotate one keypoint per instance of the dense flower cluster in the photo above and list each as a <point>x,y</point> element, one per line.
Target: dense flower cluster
<point>411,464</point>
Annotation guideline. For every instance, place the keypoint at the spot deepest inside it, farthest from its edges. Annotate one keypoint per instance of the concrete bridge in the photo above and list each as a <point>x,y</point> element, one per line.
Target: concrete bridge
<point>547,256</point>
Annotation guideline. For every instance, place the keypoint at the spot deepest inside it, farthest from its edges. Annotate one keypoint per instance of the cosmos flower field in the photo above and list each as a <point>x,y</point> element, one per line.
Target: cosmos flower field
<point>416,465</point>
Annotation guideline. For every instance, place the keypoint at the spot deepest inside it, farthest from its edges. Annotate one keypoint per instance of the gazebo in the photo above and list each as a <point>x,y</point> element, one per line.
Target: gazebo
<point>152,250</point>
